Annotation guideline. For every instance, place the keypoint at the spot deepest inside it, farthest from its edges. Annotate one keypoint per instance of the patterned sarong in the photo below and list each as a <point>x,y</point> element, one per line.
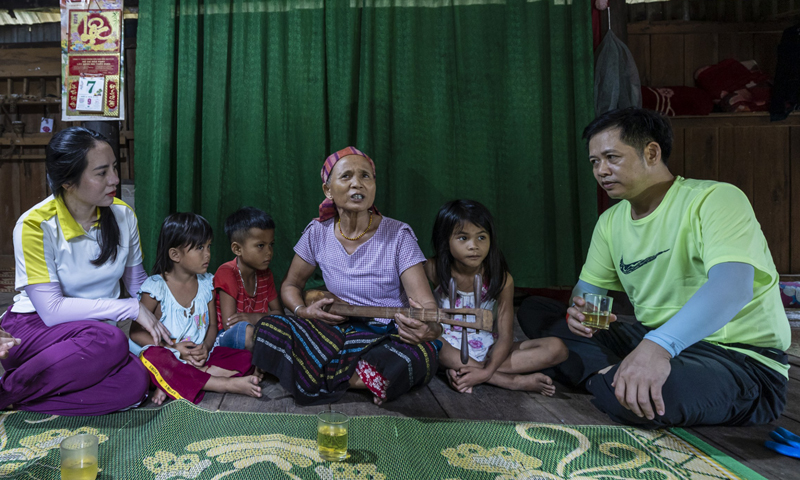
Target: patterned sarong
<point>314,361</point>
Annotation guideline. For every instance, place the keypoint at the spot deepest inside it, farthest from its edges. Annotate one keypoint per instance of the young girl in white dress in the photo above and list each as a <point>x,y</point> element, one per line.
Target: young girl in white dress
<point>181,294</point>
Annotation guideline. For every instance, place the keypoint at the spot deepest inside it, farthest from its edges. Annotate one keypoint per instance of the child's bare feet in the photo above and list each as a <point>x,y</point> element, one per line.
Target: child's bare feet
<point>245,386</point>
<point>259,374</point>
<point>452,375</point>
<point>377,400</point>
<point>216,371</point>
<point>536,382</point>
<point>159,396</point>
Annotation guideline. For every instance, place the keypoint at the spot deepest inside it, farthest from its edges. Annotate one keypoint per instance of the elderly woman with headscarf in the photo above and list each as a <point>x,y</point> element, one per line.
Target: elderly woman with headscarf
<point>366,259</point>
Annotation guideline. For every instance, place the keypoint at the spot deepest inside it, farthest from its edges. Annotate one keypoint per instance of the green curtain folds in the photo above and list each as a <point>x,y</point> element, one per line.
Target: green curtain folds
<point>238,102</point>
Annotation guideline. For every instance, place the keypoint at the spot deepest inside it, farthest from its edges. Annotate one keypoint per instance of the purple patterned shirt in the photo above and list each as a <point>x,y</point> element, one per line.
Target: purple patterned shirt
<point>371,275</point>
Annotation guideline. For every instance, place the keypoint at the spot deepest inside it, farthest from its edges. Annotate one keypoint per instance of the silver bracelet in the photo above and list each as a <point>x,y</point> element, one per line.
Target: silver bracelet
<point>296,308</point>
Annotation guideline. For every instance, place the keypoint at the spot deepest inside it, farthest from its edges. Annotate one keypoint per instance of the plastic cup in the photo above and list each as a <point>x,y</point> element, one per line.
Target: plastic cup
<point>597,311</point>
<point>332,429</point>
<point>79,457</point>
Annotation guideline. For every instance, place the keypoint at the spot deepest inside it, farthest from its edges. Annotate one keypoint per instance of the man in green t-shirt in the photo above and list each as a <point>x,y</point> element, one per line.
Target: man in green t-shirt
<point>708,343</point>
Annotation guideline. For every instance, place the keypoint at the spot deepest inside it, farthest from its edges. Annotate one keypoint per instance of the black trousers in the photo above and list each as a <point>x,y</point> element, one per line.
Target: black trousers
<point>708,384</point>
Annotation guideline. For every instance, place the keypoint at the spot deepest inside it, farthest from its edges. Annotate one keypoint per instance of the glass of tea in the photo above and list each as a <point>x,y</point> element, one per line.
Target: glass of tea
<point>79,457</point>
<point>597,310</point>
<point>332,435</point>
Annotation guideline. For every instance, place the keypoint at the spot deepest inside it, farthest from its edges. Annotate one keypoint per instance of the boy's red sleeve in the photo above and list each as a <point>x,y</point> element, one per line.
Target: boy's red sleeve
<point>225,280</point>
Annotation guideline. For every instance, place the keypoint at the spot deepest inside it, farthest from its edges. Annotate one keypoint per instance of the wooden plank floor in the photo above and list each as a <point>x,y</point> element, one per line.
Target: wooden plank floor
<point>568,406</point>
<point>437,400</point>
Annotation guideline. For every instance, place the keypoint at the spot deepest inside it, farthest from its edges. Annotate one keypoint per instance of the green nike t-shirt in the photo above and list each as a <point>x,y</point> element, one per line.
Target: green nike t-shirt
<point>661,260</point>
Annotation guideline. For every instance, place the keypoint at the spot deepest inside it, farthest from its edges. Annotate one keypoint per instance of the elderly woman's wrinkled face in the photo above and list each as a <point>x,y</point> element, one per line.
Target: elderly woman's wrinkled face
<point>351,184</point>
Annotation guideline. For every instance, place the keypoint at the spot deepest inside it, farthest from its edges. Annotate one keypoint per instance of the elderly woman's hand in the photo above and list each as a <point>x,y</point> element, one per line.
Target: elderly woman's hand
<point>414,331</point>
<point>6,342</point>
<point>316,311</point>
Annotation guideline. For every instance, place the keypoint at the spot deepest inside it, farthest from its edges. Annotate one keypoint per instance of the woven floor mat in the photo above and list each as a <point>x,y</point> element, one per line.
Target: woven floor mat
<point>182,441</point>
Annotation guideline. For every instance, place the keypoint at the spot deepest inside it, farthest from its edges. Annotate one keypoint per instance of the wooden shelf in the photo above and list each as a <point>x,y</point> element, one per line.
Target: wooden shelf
<point>30,62</point>
<point>742,119</point>
<point>669,27</point>
<point>28,139</point>
<point>38,101</point>
<point>17,158</point>
<point>42,139</point>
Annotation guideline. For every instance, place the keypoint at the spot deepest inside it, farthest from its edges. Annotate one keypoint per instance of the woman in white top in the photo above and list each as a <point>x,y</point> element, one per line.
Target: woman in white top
<point>71,250</point>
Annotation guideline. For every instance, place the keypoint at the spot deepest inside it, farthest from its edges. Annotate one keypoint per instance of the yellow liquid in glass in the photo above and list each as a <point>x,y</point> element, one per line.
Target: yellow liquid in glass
<point>332,442</point>
<point>597,320</point>
<point>79,469</point>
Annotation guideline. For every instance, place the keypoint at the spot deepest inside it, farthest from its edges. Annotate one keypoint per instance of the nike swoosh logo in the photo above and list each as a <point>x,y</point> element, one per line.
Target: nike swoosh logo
<point>627,268</point>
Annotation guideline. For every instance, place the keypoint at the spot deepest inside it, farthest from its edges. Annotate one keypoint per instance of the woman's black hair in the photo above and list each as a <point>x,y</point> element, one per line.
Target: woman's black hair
<point>179,230</point>
<point>65,163</point>
<point>454,214</point>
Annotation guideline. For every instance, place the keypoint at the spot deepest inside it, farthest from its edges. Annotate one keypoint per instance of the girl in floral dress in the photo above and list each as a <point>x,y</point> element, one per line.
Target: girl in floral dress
<point>465,245</point>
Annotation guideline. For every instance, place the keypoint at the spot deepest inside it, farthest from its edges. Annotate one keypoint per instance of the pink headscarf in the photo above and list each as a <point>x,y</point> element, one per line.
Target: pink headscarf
<point>327,209</point>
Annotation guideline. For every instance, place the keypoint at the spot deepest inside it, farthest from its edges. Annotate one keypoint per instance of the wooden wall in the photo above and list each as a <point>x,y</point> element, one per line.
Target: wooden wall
<point>745,149</point>
<point>668,53</point>
<point>714,10</point>
<point>35,75</point>
<point>762,159</point>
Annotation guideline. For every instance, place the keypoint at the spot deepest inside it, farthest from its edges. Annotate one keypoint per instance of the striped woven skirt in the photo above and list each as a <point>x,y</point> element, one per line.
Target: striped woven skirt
<point>314,361</point>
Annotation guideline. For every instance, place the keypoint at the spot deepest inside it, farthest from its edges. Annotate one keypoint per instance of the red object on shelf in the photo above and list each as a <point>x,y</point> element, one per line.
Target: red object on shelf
<point>677,100</point>
<point>728,76</point>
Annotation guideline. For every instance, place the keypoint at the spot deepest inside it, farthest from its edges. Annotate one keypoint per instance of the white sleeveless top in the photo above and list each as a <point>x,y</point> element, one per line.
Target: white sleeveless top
<point>479,341</point>
<point>184,324</point>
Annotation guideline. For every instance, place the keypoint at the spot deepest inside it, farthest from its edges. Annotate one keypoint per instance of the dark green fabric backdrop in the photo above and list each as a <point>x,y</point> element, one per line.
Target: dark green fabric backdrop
<point>239,102</point>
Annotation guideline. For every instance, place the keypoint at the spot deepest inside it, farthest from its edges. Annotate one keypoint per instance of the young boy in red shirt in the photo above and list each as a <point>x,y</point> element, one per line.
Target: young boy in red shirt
<point>244,287</point>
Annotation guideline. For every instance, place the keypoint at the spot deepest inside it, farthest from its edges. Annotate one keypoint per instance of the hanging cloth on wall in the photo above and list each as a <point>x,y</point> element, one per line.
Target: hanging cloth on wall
<point>786,90</point>
<point>616,78</point>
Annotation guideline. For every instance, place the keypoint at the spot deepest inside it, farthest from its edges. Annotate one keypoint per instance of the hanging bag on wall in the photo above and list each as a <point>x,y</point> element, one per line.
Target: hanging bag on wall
<point>616,78</point>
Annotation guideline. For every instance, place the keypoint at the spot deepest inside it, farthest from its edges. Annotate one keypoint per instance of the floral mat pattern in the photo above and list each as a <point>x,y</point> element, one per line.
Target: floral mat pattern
<point>181,441</point>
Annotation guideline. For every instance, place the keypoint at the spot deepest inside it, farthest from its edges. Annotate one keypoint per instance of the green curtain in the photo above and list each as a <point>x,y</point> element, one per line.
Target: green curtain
<point>238,102</point>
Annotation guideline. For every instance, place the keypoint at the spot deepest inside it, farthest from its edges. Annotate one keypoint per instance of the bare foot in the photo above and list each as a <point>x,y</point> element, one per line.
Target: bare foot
<point>259,374</point>
<point>452,375</point>
<point>377,400</point>
<point>159,396</point>
<point>216,371</point>
<point>245,386</point>
<point>535,382</point>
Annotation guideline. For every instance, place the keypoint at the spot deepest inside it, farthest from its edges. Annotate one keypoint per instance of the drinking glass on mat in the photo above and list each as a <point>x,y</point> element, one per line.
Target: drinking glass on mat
<point>597,310</point>
<point>332,435</point>
<point>79,457</point>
